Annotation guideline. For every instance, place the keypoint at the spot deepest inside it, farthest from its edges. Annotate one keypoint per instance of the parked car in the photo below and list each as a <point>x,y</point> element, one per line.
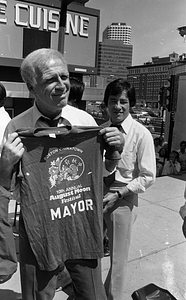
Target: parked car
<point>149,126</point>
<point>151,112</point>
<point>144,118</point>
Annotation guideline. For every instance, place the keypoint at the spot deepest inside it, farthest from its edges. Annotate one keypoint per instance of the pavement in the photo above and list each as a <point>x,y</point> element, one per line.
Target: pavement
<point>158,248</point>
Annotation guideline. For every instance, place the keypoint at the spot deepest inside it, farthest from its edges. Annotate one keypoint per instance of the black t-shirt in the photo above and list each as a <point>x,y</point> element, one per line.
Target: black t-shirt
<point>61,193</point>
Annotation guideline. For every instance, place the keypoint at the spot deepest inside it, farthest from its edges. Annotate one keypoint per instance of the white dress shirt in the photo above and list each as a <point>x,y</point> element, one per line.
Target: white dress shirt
<point>31,118</point>
<point>137,167</point>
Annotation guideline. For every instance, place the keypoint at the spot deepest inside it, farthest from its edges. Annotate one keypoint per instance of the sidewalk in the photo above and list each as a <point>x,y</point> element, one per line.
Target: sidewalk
<point>158,248</point>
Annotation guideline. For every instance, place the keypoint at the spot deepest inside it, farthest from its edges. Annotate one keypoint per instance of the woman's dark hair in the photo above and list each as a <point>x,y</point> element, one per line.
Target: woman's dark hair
<point>76,89</point>
<point>116,87</point>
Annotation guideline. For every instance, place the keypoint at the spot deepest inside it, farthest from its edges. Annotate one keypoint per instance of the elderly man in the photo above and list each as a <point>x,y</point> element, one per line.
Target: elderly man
<point>134,173</point>
<point>46,75</point>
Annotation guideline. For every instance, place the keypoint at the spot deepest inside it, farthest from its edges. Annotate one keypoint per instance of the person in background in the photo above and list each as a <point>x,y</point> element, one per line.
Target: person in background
<point>4,116</point>
<point>77,88</point>
<point>163,153</point>
<point>8,256</point>
<point>172,166</point>
<point>183,167</point>
<point>157,147</point>
<point>46,75</point>
<point>182,155</point>
<point>134,173</point>
<point>159,168</point>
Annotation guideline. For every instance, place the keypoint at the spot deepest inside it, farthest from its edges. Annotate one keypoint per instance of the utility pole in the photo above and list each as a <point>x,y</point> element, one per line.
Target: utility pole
<point>162,102</point>
<point>172,105</point>
<point>171,127</point>
<point>162,121</point>
<point>62,24</point>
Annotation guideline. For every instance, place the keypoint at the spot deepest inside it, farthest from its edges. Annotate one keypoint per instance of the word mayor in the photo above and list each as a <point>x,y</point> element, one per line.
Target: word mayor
<point>44,18</point>
<point>71,209</point>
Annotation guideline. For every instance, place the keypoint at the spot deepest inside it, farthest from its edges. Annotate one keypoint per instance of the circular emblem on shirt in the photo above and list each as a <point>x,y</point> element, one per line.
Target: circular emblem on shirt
<point>68,168</point>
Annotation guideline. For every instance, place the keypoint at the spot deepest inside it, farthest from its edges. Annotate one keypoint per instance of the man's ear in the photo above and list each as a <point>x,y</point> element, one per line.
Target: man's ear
<point>30,88</point>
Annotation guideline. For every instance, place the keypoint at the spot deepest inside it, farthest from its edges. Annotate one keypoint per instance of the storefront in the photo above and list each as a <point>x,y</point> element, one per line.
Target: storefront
<point>29,25</point>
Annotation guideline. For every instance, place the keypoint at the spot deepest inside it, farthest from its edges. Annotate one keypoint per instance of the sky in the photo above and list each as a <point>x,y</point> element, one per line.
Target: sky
<point>154,25</point>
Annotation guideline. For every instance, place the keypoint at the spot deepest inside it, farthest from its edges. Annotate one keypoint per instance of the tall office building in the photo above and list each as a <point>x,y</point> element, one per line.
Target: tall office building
<point>115,52</point>
<point>113,59</point>
<point>150,77</point>
<point>119,32</point>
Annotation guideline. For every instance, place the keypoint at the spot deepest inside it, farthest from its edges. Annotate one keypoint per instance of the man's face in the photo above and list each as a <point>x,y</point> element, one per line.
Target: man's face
<point>156,142</point>
<point>182,147</point>
<point>52,87</point>
<point>172,157</point>
<point>118,107</point>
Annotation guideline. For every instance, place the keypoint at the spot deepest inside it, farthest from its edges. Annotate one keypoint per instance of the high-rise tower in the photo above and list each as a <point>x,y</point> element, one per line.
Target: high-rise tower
<point>119,32</point>
<point>115,52</point>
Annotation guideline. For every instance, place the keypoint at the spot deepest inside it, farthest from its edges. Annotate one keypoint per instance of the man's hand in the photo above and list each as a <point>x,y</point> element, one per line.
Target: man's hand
<point>111,197</point>
<point>108,201</point>
<point>113,137</point>
<point>12,150</point>
<point>183,211</point>
<point>11,153</point>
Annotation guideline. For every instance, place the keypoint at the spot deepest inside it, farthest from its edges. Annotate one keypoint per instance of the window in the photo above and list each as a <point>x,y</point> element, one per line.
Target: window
<point>35,39</point>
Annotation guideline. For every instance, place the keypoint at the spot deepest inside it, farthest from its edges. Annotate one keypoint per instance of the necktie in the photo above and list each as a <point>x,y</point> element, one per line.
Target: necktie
<point>120,128</point>
<point>45,122</point>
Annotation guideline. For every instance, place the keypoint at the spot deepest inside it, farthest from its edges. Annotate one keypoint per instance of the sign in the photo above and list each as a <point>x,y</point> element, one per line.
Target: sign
<point>81,35</point>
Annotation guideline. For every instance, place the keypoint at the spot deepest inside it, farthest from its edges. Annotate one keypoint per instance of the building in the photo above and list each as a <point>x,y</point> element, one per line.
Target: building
<point>32,24</point>
<point>119,32</point>
<point>113,59</point>
<point>175,121</point>
<point>149,78</point>
<point>115,52</point>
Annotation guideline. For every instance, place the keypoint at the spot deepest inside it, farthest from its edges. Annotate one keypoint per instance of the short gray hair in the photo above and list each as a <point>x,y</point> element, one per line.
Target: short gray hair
<point>34,61</point>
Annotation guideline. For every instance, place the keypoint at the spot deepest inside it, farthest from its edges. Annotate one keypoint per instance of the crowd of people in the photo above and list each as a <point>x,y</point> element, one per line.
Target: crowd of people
<point>70,196</point>
<point>173,163</point>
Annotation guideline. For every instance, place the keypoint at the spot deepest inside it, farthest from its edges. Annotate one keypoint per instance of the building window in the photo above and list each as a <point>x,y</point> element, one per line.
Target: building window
<point>34,39</point>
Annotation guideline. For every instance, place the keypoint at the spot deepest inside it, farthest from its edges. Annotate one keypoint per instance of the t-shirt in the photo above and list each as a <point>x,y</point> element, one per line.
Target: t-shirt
<point>61,193</point>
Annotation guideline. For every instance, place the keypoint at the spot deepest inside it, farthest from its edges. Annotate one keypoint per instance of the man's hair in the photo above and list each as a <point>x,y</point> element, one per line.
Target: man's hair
<point>2,95</point>
<point>157,139</point>
<point>183,143</point>
<point>76,90</point>
<point>116,87</point>
<point>34,62</point>
<point>176,154</point>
